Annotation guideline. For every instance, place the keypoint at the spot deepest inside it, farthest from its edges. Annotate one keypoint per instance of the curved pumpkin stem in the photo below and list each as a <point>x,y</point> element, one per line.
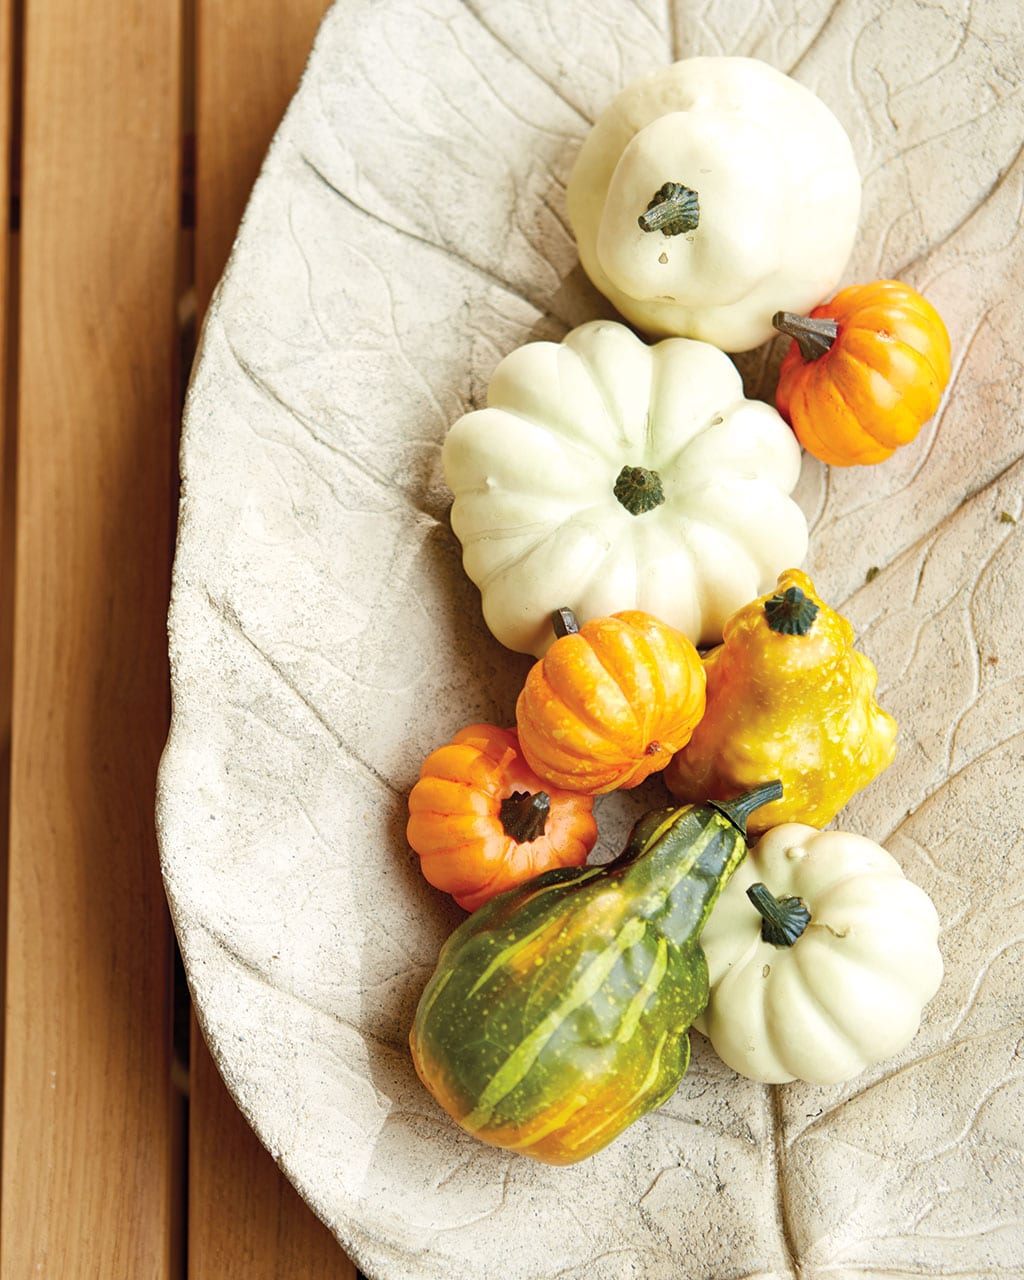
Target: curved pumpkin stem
<point>813,336</point>
<point>673,209</point>
<point>783,920</point>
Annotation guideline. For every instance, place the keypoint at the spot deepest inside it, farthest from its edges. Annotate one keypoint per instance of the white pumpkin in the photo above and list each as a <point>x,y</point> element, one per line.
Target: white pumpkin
<point>605,474</point>
<point>848,990</point>
<point>760,212</point>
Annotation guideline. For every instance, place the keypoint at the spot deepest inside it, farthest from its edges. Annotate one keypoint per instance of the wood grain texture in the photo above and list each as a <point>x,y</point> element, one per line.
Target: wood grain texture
<point>87,1136</point>
<point>245,1218</point>
<point>249,59</point>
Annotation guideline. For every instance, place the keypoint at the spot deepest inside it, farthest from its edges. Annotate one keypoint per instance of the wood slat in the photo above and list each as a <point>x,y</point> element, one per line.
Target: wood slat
<point>87,1136</point>
<point>245,1220</point>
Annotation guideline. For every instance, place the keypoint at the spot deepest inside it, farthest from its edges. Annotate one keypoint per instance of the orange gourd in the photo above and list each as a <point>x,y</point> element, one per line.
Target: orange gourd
<point>482,821</point>
<point>864,372</point>
<point>609,703</point>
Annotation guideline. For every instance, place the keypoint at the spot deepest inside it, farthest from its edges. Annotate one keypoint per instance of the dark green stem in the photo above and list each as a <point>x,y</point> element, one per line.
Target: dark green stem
<point>673,209</point>
<point>524,815</point>
<point>783,920</point>
<point>564,623</point>
<point>740,809</point>
<point>813,337</point>
<point>639,490</point>
<point>790,612</point>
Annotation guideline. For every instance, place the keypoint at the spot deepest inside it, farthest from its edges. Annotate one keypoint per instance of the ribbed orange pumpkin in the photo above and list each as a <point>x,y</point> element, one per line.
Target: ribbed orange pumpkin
<point>609,704</point>
<point>864,373</point>
<point>482,821</point>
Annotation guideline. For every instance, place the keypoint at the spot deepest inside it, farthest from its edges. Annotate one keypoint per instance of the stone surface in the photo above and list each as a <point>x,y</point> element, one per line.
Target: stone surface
<point>408,229</point>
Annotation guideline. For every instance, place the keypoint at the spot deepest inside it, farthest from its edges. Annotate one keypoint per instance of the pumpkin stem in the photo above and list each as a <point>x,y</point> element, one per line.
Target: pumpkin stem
<point>740,809</point>
<point>783,920</point>
<point>639,490</point>
<point>564,623</point>
<point>790,612</point>
<point>673,209</point>
<point>524,815</point>
<point>813,336</point>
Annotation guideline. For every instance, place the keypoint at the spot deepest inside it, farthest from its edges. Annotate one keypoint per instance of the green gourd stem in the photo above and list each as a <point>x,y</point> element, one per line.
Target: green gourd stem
<point>673,209</point>
<point>639,490</point>
<point>813,336</point>
<point>783,920</point>
<point>524,815</point>
<point>564,623</point>
<point>740,809</point>
<point>790,612</point>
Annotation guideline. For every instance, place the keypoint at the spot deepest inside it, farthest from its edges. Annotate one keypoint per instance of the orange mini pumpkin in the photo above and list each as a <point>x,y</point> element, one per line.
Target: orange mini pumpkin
<point>482,821</point>
<point>609,703</point>
<point>864,372</point>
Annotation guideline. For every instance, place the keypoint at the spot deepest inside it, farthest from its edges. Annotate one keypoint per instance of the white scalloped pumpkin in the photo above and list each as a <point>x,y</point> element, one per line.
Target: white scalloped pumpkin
<point>843,984</point>
<point>606,474</point>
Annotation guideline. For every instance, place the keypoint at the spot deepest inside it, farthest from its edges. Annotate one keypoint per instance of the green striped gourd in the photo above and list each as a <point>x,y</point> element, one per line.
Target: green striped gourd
<point>558,1012</point>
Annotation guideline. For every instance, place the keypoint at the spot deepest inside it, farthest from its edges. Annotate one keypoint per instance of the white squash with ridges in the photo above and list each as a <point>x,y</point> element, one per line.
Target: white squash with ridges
<point>846,991</point>
<point>606,474</point>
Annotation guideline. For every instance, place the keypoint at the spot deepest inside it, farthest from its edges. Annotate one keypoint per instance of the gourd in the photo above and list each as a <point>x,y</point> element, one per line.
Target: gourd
<point>821,957</point>
<point>482,821</point>
<point>605,475</point>
<point>864,372</point>
<point>558,1013</point>
<point>711,194</point>
<point>610,703</point>
<point>788,697</point>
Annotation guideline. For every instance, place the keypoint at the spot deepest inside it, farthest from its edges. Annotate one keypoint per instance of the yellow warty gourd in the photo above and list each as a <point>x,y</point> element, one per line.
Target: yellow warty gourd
<point>788,697</point>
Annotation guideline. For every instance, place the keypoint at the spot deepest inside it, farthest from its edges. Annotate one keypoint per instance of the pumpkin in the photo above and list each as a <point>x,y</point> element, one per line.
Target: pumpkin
<point>788,696</point>
<point>610,702</point>
<point>606,475</point>
<point>482,821</point>
<point>821,957</point>
<point>710,194</point>
<point>864,372</point>
<point>558,1013</point>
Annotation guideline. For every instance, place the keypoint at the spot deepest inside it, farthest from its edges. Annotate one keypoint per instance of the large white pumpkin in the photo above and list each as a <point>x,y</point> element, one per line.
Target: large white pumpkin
<point>605,474</point>
<point>765,198</point>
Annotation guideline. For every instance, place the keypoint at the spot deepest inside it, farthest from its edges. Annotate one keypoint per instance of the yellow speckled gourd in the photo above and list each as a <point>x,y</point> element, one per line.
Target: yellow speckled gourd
<point>788,697</point>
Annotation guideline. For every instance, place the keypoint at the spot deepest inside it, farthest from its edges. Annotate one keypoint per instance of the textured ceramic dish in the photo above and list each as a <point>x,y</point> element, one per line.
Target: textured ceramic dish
<point>408,229</point>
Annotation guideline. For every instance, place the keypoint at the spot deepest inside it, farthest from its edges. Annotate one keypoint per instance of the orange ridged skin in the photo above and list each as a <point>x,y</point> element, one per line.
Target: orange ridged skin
<point>610,704</point>
<point>455,818</point>
<point>877,385</point>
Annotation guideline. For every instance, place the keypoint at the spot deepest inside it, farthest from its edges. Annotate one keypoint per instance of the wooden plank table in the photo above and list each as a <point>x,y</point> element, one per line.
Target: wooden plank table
<point>134,133</point>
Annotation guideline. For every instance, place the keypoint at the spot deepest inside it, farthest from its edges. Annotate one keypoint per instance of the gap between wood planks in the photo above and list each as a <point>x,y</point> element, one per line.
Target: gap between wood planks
<point>12,55</point>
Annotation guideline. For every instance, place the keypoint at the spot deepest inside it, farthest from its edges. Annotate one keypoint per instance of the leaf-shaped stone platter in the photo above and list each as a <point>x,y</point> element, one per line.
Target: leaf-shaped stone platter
<point>407,231</point>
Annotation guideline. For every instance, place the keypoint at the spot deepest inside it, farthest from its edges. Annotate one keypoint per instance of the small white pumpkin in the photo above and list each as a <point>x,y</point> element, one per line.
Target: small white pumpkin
<point>847,988</point>
<point>605,474</point>
<point>711,194</point>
